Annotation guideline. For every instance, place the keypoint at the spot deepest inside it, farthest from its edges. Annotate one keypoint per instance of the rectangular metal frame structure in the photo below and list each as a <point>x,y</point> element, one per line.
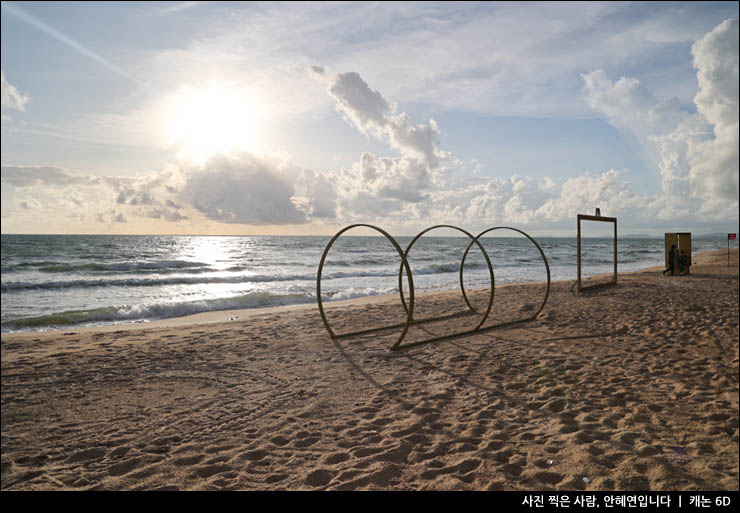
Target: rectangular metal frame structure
<point>584,217</point>
<point>682,240</point>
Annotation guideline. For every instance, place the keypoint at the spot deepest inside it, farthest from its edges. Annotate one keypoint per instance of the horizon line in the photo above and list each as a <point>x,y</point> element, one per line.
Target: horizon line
<point>627,236</point>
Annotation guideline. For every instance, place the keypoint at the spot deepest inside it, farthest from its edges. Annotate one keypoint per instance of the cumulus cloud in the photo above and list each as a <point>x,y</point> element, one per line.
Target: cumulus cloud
<point>696,154</point>
<point>88,197</point>
<point>631,108</point>
<point>12,98</point>
<point>241,189</point>
<point>29,176</point>
<point>365,108</point>
<point>371,114</point>
<point>415,189</point>
<point>581,194</point>
<point>699,159</point>
<point>714,162</point>
<point>150,195</point>
<point>319,199</point>
<point>528,202</point>
<point>402,179</point>
<point>171,215</point>
<point>380,185</point>
<point>111,217</point>
<point>716,61</point>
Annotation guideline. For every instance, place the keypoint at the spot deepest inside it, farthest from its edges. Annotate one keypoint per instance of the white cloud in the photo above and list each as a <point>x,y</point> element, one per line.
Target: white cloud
<point>697,154</point>
<point>12,98</point>
<point>29,176</point>
<point>404,179</point>
<point>410,191</point>
<point>150,195</point>
<point>88,197</point>
<point>371,114</point>
<point>241,188</point>
<point>415,189</point>
<point>365,108</point>
<point>382,185</point>
<point>512,59</point>
<point>319,199</point>
<point>178,7</point>
<point>111,217</point>
<point>582,194</point>
<point>714,162</point>
<point>629,105</point>
<point>231,189</point>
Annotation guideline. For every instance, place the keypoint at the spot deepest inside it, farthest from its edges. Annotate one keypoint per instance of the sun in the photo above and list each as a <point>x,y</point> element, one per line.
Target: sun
<point>205,121</point>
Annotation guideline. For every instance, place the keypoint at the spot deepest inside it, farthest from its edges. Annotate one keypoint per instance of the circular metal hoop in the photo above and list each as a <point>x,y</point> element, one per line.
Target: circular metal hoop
<point>473,240</point>
<point>404,264</point>
<point>542,253</point>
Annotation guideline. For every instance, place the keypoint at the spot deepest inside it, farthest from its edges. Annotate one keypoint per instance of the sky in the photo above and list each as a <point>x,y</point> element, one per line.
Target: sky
<point>227,118</point>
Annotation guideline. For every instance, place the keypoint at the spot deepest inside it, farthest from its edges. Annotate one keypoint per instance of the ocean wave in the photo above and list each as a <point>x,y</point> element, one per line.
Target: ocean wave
<point>355,292</point>
<point>42,263</point>
<point>438,269</point>
<point>359,261</point>
<point>177,265</point>
<point>19,286</point>
<point>156,311</point>
<point>48,266</point>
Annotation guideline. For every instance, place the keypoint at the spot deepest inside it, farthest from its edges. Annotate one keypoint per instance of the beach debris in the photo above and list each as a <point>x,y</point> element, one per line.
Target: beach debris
<point>586,480</point>
<point>550,462</point>
<point>679,452</point>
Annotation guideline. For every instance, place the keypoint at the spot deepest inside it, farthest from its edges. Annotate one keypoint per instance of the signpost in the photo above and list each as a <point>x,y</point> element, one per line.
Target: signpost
<point>730,236</point>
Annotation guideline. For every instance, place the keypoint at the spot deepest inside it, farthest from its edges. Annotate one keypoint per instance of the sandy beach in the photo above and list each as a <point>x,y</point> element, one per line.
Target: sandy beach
<point>627,387</point>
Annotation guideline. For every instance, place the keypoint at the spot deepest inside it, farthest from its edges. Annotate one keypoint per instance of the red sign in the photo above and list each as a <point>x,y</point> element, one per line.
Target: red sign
<point>730,236</point>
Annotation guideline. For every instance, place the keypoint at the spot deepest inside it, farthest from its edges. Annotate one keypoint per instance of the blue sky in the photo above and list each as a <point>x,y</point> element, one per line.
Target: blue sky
<point>300,118</point>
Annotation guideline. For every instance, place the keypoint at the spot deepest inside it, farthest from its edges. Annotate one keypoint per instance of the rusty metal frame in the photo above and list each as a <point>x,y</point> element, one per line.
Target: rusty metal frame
<point>583,217</point>
<point>404,264</point>
<point>409,308</point>
<point>471,309</point>
<point>544,260</point>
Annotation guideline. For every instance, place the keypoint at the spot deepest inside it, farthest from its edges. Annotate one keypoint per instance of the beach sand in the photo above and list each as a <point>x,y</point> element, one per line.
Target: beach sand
<point>628,387</point>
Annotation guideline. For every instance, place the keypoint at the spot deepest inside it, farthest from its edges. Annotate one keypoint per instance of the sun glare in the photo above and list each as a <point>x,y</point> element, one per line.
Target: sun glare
<point>217,119</point>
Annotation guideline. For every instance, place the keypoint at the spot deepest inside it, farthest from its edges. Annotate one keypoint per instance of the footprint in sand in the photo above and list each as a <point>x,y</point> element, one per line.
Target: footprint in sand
<point>337,457</point>
<point>87,455</point>
<point>320,477</point>
<point>275,478</point>
<point>187,461</point>
<point>550,478</point>
<point>307,441</point>
<point>280,441</point>
<point>212,470</point>
<point>125,467</point>
<point>468,465</point>
<point>255,455</point>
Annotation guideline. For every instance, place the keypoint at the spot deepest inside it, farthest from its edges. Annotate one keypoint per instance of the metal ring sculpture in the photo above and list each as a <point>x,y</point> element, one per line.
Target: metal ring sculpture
<point>409,309</point>
<point>473,240</point>
<point>404,263</point>
<point>544,259</point>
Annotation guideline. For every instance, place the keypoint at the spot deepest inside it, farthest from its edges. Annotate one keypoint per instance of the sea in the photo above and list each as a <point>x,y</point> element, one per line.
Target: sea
<point>54,282</point>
